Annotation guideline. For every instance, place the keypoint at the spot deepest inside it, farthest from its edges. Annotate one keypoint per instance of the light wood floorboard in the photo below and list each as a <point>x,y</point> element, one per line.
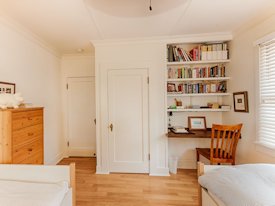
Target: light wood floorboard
<point>132,189</point>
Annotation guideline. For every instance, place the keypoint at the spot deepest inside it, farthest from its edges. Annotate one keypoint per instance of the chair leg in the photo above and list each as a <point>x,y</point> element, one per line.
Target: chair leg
<point>198,156</point>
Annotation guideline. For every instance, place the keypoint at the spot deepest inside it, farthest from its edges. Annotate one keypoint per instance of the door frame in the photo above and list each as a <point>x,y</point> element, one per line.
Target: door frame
<point>66,112</point>
<point>102,131</point>
<point>145,123</point>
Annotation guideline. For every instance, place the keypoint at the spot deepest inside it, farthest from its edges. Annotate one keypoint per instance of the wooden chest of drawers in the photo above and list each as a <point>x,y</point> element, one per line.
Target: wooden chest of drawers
<point>21,136</point>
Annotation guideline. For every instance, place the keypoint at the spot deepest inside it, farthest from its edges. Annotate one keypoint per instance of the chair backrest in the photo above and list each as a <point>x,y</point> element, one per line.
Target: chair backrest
<point>224,140</point>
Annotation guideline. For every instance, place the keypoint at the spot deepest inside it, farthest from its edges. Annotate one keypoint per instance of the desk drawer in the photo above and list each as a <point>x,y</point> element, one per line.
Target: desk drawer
<point>24,119</point>
<point>27,151</point>
<point>27,134</point>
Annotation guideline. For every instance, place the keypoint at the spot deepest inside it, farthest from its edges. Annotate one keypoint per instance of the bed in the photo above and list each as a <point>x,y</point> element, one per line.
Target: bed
<point>241,185</point>
<point>43,185</point>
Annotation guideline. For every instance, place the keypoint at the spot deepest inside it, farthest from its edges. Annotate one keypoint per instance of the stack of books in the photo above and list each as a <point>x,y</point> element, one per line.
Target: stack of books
<point>204,52</point>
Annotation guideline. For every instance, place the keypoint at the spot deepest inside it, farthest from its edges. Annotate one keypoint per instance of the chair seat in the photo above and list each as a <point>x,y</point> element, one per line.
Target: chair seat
<point>206,153</point>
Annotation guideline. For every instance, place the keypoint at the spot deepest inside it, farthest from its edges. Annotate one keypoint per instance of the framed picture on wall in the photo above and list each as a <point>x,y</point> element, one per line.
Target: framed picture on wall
<point>240,101</point>
<point>196,123</point>
<point>6,87</point>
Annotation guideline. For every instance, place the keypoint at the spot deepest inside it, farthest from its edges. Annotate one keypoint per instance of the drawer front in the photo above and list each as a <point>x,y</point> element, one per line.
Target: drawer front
<point>27,151</point>
<point>27,135</point>
<point>24,119</point>
<point>34,159</point>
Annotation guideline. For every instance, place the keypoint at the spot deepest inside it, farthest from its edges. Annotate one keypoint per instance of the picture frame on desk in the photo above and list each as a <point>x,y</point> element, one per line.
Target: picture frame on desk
<point>240,100</point>
<point>197,123</point>
<point>7,88</point>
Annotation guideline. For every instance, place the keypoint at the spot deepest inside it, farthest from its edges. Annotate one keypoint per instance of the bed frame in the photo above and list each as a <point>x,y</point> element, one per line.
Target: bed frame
<point>205,199</point>
<point>42,173</point>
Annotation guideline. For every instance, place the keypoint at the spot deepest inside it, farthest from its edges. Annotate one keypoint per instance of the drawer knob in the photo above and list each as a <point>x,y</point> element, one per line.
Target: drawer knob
<point>30,149</point>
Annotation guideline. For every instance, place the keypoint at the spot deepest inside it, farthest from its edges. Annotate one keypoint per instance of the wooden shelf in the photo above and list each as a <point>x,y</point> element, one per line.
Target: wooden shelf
<point>199,94</point>
<point>199,79</point>
<point>198,62</point>
<point>191,134</point>
<point>198,110</point>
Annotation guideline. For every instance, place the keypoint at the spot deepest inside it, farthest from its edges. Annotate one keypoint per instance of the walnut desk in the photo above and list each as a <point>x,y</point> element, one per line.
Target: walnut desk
<point>191,134</point>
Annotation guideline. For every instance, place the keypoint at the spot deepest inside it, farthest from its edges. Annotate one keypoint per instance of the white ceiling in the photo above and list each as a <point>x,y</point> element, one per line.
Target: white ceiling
<point>70,25</point>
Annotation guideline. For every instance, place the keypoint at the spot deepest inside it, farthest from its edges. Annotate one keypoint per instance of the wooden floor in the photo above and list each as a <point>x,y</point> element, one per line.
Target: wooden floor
<point>132,189</point>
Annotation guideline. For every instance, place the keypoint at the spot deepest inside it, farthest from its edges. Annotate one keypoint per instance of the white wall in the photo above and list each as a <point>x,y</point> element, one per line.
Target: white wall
<point>133,55</point>
<point>185,149</point>
<point>36,73</point>
<point>146,54</point>
<point>78,65</point>
<point>244,69</point>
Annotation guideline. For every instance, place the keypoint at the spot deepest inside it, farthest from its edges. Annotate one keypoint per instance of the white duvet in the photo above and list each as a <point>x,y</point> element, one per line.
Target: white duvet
<point>20,193</point>
<point>242,185</point>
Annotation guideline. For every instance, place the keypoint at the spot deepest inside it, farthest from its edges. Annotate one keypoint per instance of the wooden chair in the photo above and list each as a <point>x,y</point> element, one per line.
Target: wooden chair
<point>224,140</point>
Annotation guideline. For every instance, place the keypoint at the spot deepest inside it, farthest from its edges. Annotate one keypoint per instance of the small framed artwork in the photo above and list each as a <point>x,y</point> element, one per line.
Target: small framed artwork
<point>6,87</point>
<point>240,101</point>
<point>196,123</point>
<point>171,87</point>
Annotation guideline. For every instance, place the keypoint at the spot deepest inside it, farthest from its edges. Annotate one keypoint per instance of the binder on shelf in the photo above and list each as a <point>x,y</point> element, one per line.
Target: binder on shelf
<point>213,88</point>
<point>214,52</point>
<point>170,53</point>
<point>219,52</point>
<point>224,51</point>
<point>224,54</point>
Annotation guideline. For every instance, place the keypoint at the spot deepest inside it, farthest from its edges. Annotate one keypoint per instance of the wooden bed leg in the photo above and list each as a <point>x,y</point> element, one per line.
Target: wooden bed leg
<point>200,172</point>
<point>73,183</point>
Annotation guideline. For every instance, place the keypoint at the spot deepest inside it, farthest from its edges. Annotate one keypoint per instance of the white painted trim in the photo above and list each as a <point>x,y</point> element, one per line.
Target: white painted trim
<point>264,39</point>
<point>256,87</point>
<point>99,171</point>
<point>184,8</point>
<point>83,152</point>
<point>160,172</point>
<point>266,149</point>
<point>94,22</point>
<point>99,152</point>
<point>56,159</point>
<point>102,165</point>
<point>92,55</point>
<point>190,38</point>
<point>23,31</point>
<point>187,164</point>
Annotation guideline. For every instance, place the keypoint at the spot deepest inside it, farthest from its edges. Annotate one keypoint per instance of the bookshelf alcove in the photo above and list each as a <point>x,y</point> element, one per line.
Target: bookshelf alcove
<point>196,79</point>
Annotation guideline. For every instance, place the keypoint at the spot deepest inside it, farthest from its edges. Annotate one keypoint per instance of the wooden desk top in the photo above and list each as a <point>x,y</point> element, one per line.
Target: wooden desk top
<point>191,134</point>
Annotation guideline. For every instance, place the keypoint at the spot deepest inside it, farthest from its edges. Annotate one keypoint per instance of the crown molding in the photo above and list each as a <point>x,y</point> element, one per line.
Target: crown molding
<point>189,38</point>
<point>23,31</point>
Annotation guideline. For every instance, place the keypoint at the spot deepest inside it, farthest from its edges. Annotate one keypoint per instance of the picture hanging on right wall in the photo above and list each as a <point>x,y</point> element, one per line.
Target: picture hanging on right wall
<point>240,100</point>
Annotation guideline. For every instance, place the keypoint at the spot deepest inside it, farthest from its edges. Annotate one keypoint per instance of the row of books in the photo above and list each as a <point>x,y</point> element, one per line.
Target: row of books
<point>196,88</point>
<point>178,54</point>
<point>196,72</point>
<point>199,53</point>
<point>214,52</point>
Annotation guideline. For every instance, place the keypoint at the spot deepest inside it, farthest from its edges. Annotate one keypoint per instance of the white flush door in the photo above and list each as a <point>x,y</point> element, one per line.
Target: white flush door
<point>128,120</point>
<point>81,116</point>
